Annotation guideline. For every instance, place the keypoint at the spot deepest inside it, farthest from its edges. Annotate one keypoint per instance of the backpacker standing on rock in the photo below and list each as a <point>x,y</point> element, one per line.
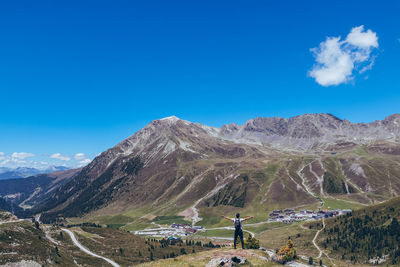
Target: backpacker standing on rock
<point>238,227</point>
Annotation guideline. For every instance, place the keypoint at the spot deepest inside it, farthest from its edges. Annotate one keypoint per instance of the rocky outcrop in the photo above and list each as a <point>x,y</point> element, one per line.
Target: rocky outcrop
<point>6,216</point>
<point>227,261</point>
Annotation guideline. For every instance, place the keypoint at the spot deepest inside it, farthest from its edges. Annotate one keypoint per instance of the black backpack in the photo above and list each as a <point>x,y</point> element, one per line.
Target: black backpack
<point>238,225</point>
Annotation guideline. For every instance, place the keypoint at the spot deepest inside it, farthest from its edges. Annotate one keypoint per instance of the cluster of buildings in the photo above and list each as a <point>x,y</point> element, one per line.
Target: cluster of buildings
<point>175,230</point>
<point>164,232</point>
<point>290,215</point>
<point>187,228</point>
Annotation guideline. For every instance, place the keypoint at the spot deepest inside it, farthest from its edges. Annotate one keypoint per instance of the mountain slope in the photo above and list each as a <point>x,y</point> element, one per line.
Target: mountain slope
<point>139,169</point>
<point>173,167</point>
<point>369,235</point>
<point>28,192</point>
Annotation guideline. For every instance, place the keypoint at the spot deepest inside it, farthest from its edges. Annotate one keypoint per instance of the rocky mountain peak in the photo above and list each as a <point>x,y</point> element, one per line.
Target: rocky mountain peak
<point>317,131</point>
<point>170,119</point>
<point>395,119</point>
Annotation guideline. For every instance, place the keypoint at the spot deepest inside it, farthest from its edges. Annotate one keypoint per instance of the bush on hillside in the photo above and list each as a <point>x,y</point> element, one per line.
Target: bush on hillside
<point>251,242</point>
<point>287,253</point>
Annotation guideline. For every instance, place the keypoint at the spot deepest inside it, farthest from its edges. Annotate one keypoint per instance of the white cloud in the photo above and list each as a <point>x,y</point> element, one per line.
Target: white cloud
<point>41,165</point>
<point>22,159</point>
<point>334,65</point>
<point>369,66</point>
<point>21,155</point>
<point>19,160</point>
<point>362,39</point>
<point>79,156</point>
<point>84,162</point>
<point>336,60</point>
<point>60,157</point>
<point>82,159</point>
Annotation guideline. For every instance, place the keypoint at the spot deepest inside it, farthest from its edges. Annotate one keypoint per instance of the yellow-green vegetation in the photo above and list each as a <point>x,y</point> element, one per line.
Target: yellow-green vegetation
<point>258,228</point>
<point>168,220</point>
<point>116,219</point>
<point>335,203</point>
<point>130,223</point>
<point>216,233</point>
<point>251,242</point>
<point>138,224</point>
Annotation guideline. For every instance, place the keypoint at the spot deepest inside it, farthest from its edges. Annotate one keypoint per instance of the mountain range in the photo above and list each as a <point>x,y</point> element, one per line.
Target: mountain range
<point>23,172</point>
<point>176,167</point>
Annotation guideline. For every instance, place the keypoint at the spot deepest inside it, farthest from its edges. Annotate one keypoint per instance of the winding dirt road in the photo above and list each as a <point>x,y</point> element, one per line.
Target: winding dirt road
<point>79,245</point>
<point>315,239</point>
<point>317,247</point>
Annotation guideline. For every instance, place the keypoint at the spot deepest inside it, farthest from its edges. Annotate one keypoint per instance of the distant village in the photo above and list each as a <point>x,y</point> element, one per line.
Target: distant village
<point>290,215</point>
<point>188,228</point>
<point>175,229</point>
<point>178,230</point>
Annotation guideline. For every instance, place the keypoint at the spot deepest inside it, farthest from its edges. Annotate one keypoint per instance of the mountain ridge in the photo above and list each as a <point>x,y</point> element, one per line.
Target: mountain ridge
<point>173,164</point>
<point>23,172</point>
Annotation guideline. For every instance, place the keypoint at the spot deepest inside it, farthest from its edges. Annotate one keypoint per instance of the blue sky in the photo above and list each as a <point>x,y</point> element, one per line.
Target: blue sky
<point>80,76</point>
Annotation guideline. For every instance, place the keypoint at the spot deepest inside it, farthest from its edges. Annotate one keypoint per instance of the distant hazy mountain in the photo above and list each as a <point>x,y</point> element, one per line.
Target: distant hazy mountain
<point>172,164</point>
<point>23,172</point>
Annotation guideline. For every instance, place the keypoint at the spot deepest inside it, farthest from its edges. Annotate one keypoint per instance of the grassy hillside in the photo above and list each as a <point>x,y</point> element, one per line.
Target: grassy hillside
<point>48,245</point>
<point>254,258</point>
<point>366,234</point>
<point>127,249</point>
<point>23,241</point>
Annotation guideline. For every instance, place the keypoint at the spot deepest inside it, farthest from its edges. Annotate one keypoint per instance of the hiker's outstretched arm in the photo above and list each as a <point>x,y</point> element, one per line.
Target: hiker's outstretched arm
<point>226,217</point>
<point>248,218</point>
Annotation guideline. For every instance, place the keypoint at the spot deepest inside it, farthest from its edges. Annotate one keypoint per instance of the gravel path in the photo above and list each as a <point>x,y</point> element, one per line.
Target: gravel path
<point>79,245</point>
<point>315,240</point>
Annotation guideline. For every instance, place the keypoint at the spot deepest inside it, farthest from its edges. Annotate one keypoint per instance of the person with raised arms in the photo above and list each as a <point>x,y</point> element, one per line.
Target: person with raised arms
<point>238,227</point>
